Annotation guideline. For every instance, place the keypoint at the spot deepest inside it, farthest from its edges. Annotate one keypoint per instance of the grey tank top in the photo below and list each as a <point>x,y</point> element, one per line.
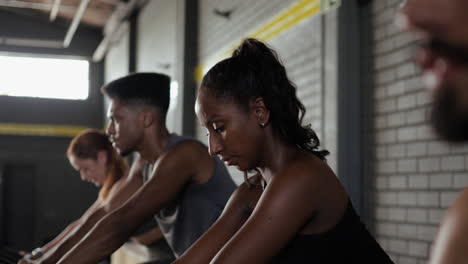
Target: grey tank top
<point>196,208</point>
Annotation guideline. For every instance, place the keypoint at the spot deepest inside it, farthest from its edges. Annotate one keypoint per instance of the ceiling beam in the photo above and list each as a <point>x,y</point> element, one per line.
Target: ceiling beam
<point>55,9</point>
<point>75,22</point>
<point>33,5</point>
<point>113,25</point>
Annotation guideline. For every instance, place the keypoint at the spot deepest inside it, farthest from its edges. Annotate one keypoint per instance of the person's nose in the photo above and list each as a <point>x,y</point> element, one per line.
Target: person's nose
<point>110,129</point>
<point>415,15</point>
<point>83,176</point>
<point>215,145</point>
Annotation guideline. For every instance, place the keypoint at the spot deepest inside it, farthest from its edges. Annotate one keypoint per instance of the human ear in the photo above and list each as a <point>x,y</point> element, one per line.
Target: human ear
<point>148,118</point>
<point>102,156</point>
<point>261,112</point>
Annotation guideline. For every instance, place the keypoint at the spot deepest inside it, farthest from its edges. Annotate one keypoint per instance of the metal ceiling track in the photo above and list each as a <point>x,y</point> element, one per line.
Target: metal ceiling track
<point>33,5</point>
<point>75,22</point>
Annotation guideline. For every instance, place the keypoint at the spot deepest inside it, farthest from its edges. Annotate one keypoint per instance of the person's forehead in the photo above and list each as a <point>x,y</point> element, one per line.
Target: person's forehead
<point>206,103</point>
<point>75,162</point>
<point>115,103</point>
<point>118,106</point>
<point>211,108</point>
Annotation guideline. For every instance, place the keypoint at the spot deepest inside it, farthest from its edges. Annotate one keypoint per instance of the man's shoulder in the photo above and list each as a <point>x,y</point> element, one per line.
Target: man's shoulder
<point>188,151</point>
<point>187,145</point>
<point>178,140</point>
<point>451,239</point>
<point>456,218</point>
<point>459,208</point>
<point>185,157</point>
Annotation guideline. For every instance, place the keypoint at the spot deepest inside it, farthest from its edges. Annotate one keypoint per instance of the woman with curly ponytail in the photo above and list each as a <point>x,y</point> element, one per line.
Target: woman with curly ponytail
<point>294,210</point>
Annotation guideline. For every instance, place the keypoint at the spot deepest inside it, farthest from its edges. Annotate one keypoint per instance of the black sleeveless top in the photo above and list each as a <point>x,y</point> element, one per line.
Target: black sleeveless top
<point>347,242</point>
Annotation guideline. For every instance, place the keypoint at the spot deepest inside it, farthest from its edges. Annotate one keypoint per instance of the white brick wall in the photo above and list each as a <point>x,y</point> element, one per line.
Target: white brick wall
<point>417,176</point>
<point>216,32</point>
<point>116,60</point>
<point>157,51</point>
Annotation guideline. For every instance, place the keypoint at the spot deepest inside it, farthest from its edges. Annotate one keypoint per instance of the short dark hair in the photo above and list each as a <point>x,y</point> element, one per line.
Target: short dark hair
<point>149,88</point>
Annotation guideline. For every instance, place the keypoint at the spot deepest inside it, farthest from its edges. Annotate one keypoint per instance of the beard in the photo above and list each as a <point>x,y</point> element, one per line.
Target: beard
<point>450,108</point>
<point>450,114</point>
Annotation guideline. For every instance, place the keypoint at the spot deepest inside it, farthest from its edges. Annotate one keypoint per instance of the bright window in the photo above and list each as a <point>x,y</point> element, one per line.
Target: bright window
<point>44,77</point>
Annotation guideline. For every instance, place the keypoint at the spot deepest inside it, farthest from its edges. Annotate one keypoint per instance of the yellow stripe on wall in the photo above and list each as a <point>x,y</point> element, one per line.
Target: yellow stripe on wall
<point>280,22</point>
<point>291,16</point>
<point>18,129</point>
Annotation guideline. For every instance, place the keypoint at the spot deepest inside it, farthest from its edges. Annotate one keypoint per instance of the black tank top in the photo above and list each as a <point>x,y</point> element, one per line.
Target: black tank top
<point>347,242</point>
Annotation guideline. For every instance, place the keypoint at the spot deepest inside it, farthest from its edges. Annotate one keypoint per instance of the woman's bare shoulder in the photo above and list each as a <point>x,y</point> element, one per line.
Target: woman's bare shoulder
<point>308,179</point>
<point>306,167</point>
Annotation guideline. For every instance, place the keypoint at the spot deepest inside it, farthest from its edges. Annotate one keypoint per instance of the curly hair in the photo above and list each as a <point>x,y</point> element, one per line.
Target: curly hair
<point>254,71</point>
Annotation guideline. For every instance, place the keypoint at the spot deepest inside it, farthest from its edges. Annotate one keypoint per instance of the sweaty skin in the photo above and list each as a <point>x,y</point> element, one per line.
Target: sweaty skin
<point>243,233</point>
<point>139,128</point>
